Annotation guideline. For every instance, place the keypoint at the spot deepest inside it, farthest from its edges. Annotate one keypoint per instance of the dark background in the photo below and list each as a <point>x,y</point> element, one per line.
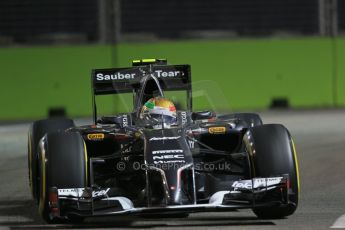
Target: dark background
<point>41,21</point>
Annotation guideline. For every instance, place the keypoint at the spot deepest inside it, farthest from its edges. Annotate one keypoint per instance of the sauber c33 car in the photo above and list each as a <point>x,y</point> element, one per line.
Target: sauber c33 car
<point>159,160</point>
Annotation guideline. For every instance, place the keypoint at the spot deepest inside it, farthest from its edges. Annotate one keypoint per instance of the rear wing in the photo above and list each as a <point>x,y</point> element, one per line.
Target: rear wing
<point>129,80</point>
<point>125,80</point>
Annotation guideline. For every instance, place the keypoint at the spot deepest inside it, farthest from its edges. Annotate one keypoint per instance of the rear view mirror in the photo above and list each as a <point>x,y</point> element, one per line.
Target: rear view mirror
<point>203,115</point>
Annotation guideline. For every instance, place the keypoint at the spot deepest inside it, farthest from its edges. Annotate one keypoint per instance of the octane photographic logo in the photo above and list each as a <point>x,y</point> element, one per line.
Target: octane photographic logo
<point>173,163</point>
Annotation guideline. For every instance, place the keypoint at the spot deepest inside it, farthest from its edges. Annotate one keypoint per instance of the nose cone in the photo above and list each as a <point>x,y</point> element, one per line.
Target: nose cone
<point>168,153</point>
<point>181,186</point>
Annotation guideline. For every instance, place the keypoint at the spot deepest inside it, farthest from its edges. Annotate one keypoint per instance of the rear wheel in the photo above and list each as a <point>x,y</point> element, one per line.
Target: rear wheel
<point>273,154</point>
<point>36,132</point>
<point>63,164</point>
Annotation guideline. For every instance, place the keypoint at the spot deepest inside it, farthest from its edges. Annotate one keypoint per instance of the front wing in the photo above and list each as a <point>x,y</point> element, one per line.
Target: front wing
<point>257,192</point>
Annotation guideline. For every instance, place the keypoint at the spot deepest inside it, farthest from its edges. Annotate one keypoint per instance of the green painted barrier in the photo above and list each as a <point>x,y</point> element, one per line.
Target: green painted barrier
<point>38,78</point>
<point>339,72</point>
<point>234,74</point>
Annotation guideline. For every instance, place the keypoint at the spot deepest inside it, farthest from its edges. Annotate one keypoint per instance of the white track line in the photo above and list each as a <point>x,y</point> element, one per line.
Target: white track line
<point>339,223</point>
<point>14,219</point>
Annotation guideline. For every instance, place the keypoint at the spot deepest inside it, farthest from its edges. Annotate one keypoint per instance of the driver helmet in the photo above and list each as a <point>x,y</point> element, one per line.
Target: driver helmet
<point>158,112</point>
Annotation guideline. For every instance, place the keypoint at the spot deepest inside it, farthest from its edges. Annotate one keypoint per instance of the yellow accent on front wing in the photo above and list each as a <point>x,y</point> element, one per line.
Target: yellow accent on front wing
<point>296,163</point>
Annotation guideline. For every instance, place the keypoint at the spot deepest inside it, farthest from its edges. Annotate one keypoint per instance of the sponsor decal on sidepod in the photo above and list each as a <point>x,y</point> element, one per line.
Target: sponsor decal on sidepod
<point>95,136</point>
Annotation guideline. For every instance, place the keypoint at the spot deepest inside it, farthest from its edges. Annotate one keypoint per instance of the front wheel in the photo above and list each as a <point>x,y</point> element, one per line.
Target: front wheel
<point>37,130</point>
<point>273,153</point>
<point>63,164</point>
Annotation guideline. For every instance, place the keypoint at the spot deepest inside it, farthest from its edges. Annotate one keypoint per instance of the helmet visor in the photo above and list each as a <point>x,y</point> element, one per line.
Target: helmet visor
<point>166,119</point>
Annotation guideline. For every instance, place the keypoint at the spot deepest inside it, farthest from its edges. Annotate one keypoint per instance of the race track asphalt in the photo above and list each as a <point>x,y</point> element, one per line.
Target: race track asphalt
<point>320,142</point>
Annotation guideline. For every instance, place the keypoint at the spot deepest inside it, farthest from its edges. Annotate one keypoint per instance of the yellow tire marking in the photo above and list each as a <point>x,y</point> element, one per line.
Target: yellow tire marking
<point>296,163</point>
<point>86,164</point>
<point>43,181</point>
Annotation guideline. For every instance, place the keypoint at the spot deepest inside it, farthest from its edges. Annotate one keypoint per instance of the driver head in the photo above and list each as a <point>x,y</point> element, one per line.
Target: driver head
<point>159,111</point>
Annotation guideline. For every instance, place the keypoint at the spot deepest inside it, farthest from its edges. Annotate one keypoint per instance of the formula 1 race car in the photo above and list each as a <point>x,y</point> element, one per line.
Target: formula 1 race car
<point>159,160</point>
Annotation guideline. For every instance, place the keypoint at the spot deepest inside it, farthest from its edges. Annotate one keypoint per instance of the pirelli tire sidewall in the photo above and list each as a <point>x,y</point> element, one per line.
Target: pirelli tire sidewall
<point>272,153</point>
<point>63,164</point>
<point>37,130</point>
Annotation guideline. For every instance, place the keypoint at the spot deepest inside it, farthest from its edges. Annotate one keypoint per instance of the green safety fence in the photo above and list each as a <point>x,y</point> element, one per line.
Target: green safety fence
<point>229,74</point>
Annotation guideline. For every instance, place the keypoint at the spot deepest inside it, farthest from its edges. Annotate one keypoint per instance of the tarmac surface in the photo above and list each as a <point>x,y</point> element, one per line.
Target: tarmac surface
<point>319,136</point>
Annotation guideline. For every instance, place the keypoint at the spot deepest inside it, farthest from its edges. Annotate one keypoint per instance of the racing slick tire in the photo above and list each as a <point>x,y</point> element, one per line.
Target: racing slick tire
<point>37,130</point>
<point>252,119</point>
<point>274,155</point>
<point>62,164</point>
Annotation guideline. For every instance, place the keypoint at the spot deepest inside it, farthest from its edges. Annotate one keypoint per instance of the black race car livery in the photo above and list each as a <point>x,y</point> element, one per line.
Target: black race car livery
<point>122,165</point>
